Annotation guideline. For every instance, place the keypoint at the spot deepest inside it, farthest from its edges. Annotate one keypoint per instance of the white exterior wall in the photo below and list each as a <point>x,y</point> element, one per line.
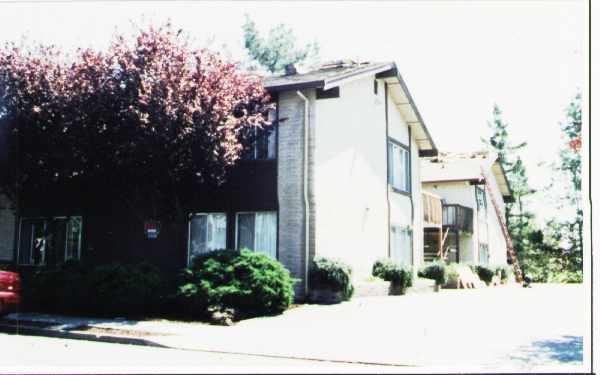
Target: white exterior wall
<point>351,178</point>
<point>402,213</point>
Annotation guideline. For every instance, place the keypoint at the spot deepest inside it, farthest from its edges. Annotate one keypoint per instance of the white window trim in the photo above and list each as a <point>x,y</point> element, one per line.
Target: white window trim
<point>190,216</point>
<point>237,215</point>
<point>407,173</point>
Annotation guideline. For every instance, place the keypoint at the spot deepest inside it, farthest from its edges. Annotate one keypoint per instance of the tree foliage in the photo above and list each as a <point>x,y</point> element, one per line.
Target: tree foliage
<point>136,119</point>
<point>518,219</point>
<point>278,49</point>
<point>542,253</point>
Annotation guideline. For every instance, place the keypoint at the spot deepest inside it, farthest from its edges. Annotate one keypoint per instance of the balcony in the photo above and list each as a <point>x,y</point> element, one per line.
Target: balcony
<point>455,216</point>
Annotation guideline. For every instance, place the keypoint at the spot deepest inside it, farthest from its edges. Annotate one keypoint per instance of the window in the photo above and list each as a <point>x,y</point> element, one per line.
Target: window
<point>482,229</point>
<point>207,232</point>
<point>375,87</point>
<point>480,197</point>
<point>399,167</point>
<point>484,254</point>
<point>257,231</point>
<point>50,240</point>
<point>265,142</point>
<point>401,245</point>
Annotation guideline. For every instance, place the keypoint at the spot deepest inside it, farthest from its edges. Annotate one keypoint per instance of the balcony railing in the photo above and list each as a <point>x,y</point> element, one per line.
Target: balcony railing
<point>458,217</point>
<point>432,210</point>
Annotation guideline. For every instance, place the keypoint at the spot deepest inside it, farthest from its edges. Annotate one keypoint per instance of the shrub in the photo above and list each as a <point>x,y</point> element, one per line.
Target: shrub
<point>391,271</point>
<point>113,289</point>
<point>251,283</point>
<point>333,275</point>
<point>5,267</point>
<point>437,271</point>
<point>505,271</point>
<point>485,273</point>
<point>123,289</point>
<point>453,272</point>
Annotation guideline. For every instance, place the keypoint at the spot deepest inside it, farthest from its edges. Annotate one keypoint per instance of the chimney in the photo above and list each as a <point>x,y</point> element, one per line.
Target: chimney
<point>290,70</point>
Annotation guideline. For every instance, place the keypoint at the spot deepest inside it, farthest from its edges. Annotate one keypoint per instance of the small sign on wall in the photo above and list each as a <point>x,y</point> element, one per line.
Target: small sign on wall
<point>151,229</point>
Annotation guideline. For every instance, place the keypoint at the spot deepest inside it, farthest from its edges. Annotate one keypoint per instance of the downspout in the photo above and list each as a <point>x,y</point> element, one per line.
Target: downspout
<point>410,174</point>
<point>387,163</point>
<point>305,192</point>
<point>412,191</point>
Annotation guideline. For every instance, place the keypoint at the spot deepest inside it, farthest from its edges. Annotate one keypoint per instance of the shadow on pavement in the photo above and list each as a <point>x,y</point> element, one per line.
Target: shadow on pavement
<point>566,349</point>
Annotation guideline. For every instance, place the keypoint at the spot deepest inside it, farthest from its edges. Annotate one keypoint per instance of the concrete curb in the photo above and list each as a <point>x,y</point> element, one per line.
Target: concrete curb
<point>36,331</point>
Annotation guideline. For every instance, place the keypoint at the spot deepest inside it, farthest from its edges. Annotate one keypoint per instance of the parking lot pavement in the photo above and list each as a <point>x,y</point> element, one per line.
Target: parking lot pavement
<point>505,328</point>
<point>492,329</point>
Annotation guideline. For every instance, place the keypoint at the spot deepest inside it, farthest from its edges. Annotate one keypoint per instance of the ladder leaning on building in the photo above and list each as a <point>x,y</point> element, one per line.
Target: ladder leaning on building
<point>509,245</point>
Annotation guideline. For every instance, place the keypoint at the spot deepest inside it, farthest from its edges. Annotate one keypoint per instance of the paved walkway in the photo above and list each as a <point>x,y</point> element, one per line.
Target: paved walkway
<point>503,328</point>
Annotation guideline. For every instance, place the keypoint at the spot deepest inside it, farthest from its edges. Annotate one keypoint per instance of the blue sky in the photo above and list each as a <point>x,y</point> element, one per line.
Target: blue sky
<point>458,58</point>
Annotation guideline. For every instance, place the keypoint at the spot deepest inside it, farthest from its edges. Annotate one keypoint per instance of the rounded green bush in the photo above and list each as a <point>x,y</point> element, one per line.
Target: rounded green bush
<point>331,274</point>
<point>437,271</point>
<point>391,271</point>
<point>251,283</point>
<point>485,273</point>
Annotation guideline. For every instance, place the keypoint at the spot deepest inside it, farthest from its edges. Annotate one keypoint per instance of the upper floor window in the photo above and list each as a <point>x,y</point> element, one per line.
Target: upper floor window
<point>265,142</point>
<point>45,241</point>
<point>399,167</point>
<point>481,200</point>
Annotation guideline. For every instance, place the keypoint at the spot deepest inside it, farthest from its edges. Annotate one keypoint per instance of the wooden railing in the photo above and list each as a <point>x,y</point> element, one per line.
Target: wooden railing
<point>458,217</point>
<point>432,210</point>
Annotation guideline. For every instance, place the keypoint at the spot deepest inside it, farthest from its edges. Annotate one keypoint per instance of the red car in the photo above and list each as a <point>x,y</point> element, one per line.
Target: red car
<point>10,292</point>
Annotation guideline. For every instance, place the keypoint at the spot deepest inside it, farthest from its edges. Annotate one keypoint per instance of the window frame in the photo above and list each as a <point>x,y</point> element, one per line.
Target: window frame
<point>203,213</point>
<point>392,142</point>
<point>487,253</point>
<point>236,229</point>
<point>394,230</point>
<point>46,220</point>
<point>273,130</point>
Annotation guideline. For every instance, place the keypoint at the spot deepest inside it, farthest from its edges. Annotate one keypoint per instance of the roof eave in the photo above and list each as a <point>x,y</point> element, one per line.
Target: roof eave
<point>296,86</point>
<point>394,73</point>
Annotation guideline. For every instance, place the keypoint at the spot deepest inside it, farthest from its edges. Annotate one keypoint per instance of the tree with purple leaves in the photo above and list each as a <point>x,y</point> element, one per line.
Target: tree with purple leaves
<point>137,121</point>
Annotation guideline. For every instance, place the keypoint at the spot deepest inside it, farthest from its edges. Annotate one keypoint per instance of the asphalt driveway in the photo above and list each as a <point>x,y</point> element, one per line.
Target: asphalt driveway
<point>494,328</point>
<point>506,328</point>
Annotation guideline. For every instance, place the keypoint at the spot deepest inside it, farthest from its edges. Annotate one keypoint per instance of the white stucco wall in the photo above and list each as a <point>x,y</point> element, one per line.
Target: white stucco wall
<point>351,177</point>
<point>402,214</point>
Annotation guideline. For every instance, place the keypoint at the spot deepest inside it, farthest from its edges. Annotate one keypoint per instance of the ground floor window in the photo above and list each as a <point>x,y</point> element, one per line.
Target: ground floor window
<point>484,254</point>
<point>257,231</point>
<point>49,240</point>
<point>401,245</point>
<point>207,232</point>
